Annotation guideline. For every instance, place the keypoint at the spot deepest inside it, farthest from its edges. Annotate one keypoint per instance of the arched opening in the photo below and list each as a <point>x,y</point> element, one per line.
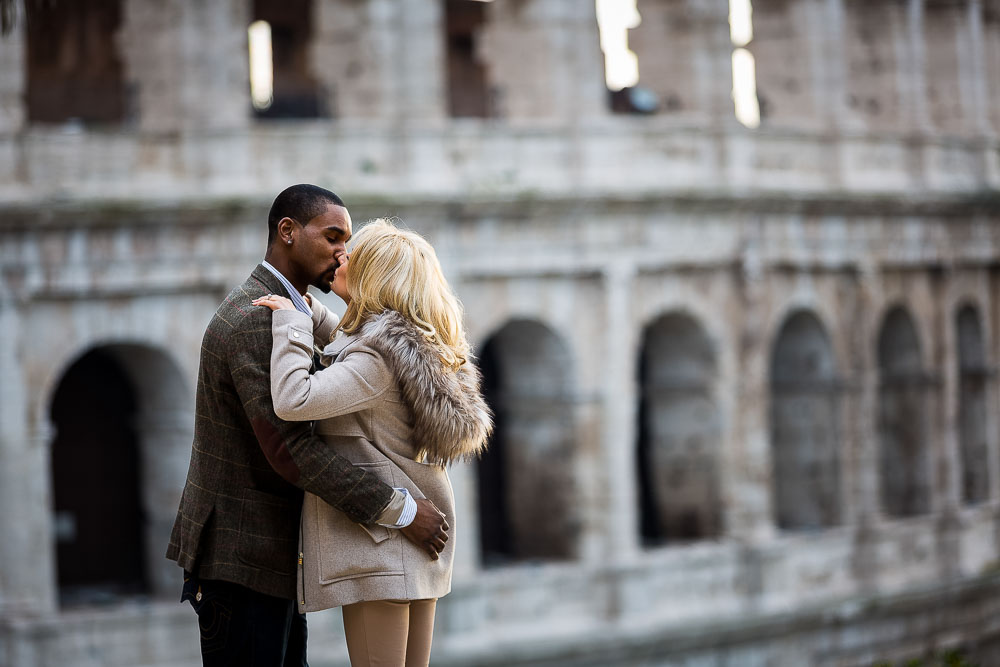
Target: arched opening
<point>99,519</point>
<point>973,376</point>
<point>74,67</point>
<point>527,471</point>
<point>679,433</point>
<point>282,84</point>
<point>122,422</point>
<point>905,465</point>
<point>468,86</point>
<point>804,426</point>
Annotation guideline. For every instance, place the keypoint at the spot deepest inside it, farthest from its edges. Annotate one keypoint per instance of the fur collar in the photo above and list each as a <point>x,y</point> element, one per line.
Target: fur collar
<point>451,418</point>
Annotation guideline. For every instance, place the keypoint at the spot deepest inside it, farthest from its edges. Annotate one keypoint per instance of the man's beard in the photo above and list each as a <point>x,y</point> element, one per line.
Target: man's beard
<point>321,283</point>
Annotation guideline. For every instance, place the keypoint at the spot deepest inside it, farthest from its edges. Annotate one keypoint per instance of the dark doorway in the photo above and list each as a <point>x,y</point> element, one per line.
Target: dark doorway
<point>527,470</point>
<point>903,406</point>
<point>679,434</point>
<point>74,69</point>
<point>973,377</point>
<point>296,93</point>
<point>98,520</point>
<point>804,426</point>
<point>494,519</point>
<point>468,90</point>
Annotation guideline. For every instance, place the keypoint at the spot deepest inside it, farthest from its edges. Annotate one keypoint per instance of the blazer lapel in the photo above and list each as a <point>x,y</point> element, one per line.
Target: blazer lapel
<point>269,281</point>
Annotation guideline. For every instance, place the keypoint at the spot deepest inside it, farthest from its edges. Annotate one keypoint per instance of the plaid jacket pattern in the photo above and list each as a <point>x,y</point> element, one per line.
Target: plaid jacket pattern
<point>238,518</point>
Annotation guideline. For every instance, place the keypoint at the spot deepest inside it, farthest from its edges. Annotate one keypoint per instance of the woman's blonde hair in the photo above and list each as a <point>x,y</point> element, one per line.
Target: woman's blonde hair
<point>396,269</point>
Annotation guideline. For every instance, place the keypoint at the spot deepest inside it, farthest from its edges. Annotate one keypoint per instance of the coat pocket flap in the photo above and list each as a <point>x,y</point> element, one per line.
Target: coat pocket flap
<point>377,533</point>
<point>301,337</point>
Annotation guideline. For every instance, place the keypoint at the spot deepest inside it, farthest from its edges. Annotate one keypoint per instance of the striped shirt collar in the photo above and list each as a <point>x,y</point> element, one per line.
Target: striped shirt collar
<point>297,299</point>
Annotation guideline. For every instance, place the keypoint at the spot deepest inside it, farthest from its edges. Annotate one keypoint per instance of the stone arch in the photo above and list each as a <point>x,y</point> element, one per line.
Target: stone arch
<point>527,471</point>
<point>973,376</point>
<point>905,465</point>
<point>804,424</point>
<point>74,68</point>
<point>679,433</point>
<point>121,418</point>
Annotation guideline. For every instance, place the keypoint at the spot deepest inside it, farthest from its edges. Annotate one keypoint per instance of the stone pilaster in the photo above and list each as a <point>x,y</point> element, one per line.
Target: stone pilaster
<point>566,79</point>
<point>186,64</point>
<point>27,552</point>
<point>620,398</point>
<point>13,80</point>
<point>712,61</point>
<point>749,514</point>
<point>685,58</point>
<point>380,60</point>
<point>166,437</point>
<point>950,71</point>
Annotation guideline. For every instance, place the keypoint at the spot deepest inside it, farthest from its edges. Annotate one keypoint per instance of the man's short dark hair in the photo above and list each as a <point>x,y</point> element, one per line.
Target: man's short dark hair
<point>302,203</point>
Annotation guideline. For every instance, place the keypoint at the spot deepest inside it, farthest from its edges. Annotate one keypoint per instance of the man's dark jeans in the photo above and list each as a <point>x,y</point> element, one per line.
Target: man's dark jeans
<point>243,628</point>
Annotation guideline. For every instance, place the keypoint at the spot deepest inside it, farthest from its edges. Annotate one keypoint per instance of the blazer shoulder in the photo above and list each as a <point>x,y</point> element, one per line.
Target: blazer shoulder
<point>236,318</point>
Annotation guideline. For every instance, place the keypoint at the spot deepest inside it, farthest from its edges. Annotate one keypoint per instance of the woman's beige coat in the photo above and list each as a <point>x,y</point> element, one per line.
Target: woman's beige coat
<point>385,397</point>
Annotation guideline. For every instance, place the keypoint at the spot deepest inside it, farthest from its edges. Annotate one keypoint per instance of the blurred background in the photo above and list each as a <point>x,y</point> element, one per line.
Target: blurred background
<point>731,272</point>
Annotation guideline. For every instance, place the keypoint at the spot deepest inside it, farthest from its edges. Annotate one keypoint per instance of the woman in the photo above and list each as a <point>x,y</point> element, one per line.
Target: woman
<point>401,400</point>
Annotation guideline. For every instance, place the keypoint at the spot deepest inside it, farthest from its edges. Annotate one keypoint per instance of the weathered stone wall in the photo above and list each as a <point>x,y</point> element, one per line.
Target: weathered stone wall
<point>571,235</point>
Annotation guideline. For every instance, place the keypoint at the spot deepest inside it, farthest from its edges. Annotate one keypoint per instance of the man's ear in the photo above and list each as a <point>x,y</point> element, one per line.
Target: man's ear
<point>285,227</point>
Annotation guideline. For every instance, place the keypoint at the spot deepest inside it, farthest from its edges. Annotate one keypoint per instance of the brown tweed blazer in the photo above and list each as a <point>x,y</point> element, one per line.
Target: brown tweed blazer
<point>238,519</point>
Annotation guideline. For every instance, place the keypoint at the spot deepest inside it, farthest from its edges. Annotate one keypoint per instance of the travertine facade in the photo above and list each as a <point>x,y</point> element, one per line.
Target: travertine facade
<point>747,378</point>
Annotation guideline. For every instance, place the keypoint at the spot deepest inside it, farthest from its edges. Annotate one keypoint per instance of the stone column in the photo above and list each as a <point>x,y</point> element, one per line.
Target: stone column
<point>748,511</point>
<point>581,62</point>
<point>685,57</point>
<point>990,357</point>
<point>874,49</point>
<point>13,85</point>
<point>978,74</point>
<point>712,60</point>
<point>186,64</point>
<point>561,39</point>
<point>13,91</point>
<point>420,86</point>
<point>165,430</point>
<point>950,70</point>
<point>790,54</point>
<point>165,437</point>
<point>945,455</point>
<point>380,60</point>
<point>867,484</point>
<point>990,21</point>
<point>916,116</point>
<point>27,551</point>
<point>620,398</point>
<point>826,57</point>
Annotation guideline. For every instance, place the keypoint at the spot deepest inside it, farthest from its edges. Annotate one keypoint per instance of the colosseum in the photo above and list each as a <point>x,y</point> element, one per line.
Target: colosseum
<point>743,359</point>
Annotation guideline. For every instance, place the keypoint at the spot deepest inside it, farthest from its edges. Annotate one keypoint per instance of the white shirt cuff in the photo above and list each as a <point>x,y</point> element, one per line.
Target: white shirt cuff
<point>395,515</point>
<point>409,511</point>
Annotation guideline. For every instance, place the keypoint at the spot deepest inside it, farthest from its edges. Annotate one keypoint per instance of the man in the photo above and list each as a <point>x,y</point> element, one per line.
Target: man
<point>236,532</point>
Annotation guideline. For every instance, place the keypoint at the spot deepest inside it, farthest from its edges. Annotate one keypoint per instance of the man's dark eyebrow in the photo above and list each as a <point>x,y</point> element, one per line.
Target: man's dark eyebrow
<point>338,230</point>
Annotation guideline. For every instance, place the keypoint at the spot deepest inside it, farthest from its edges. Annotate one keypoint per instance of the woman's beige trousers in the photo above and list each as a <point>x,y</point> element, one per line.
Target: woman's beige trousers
<point>389,633</point>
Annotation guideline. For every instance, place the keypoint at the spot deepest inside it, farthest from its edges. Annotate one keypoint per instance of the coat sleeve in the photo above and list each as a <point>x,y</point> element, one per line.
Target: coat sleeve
<point>356,382</point>
<point>324,321</point>
<point>291,448</point>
